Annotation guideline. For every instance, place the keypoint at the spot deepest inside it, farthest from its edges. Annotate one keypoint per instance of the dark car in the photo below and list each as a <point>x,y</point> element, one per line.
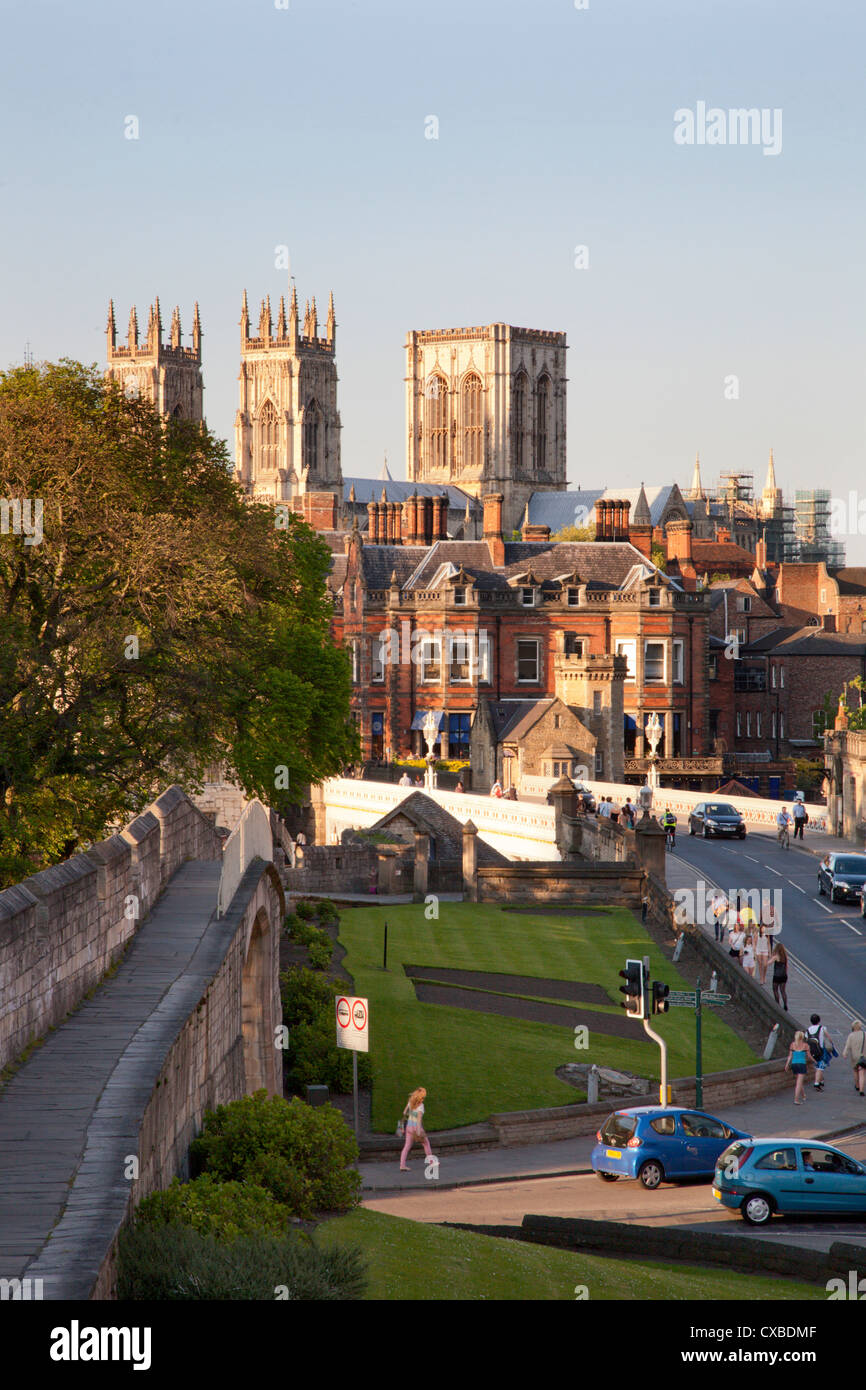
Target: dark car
<point>842,876</point>
<point>660,1143</point>
<point>762,1176</point>
<point>716,818</point>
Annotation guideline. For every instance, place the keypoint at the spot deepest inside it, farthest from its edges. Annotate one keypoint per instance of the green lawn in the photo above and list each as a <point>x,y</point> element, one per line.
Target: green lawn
<point>411,1260</point>
<point>474,1065</point>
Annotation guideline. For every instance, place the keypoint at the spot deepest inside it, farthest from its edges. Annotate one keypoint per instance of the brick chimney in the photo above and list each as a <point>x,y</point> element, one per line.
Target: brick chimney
<point>601,520</point>
<point>372,522</point>
<point>493,527</point>
<point>320,510</point>
<point>761,554</point>
<point>440,517</point>
<point>723,533</point>
<point>410,519</point>
<point>679,539</point>
<point>534,531</point>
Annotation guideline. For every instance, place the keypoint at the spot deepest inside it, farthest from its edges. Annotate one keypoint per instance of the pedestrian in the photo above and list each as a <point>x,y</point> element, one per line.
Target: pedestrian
<point>604,809</point>
<point>459,787</point>
<point>414,1111</point>
<point>719,907</point>
<point>614,810</point>
<point>405,780</point>
<point>496,789</point>
<point>749,955</point>
<point>419,782</point>
<point>762,952</point>
<point>801,818</point>
<point>511,794</point>
<point>736,941</point>
<point>821,1047</point>
<point>628,813</point>
<point>779,962</point>
<point>855,1048</point>
<point>798,1058</point>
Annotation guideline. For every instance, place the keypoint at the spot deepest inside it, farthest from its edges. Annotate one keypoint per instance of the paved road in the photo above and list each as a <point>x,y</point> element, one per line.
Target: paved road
<point>828,941</point>
<point>690,1206</point>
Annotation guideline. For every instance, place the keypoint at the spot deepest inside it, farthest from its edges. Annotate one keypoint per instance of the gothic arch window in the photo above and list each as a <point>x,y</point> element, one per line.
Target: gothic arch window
<point>542,416</point>
<point>472,413</point>
<point>518,420</point>
<point>268,437</point>
<point>177,413</point>
<point>312,435</point>
<point>436,415</point>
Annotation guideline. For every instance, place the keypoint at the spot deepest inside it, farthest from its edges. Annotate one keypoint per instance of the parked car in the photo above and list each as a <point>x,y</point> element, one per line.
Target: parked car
<point>843,876</point>
<point>758,1177</point>
<point>716,818</point>
<point>657,1144</point>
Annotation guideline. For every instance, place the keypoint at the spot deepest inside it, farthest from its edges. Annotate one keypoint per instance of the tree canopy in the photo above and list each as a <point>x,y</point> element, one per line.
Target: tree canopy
<point>153,622</point>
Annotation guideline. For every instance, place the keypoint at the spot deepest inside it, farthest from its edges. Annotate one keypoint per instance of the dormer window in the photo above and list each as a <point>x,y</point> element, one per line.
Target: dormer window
<point>527,597</point>
<point>655,598</point>
<point>573,598</point>
<point>460,596</point>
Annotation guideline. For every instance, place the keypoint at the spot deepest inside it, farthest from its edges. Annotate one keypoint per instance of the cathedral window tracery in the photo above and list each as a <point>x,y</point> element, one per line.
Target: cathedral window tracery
<point>542,405</point>
<point>472,422</point>
<point>268,437</point>
<point>437,422</point>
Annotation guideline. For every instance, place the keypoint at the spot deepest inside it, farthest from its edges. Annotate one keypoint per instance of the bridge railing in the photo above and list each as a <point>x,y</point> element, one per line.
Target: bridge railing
<point>251,839</point>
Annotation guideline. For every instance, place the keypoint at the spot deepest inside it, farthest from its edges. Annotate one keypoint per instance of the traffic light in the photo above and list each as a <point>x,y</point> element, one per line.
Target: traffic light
<point>660,997</point>
<point>633,989</point>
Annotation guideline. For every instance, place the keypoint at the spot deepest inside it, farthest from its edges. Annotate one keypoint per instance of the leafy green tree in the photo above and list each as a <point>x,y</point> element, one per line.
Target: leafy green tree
<point>159,624</point>
<point>575,533</point>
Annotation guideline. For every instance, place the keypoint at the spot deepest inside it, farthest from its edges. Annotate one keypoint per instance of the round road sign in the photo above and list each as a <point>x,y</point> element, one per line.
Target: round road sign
<point>343,1013</point>
<point>359,1015</point>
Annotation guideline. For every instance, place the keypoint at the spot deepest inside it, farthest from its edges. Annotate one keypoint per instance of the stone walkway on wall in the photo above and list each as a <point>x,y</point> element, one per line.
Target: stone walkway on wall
<point>65,1118</point>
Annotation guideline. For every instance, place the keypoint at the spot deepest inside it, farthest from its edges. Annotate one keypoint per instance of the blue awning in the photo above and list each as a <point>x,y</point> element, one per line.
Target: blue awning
<point>421,715</point>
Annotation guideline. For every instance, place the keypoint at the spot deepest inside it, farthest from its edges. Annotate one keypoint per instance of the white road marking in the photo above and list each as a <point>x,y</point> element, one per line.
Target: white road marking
<point>753,859</point>
<point>853,928</point>
<point>824,905</point>
<point>797,886</point>
<point>774,871</point>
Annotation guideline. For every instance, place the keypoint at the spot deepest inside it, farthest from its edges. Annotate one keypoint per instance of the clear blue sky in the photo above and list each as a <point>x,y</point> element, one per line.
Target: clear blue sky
<point>306,126</point>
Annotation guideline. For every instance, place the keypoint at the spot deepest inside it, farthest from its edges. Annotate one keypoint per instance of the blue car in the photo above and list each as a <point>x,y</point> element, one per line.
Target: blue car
<point>660,1143</point>
<point>758,1177</point>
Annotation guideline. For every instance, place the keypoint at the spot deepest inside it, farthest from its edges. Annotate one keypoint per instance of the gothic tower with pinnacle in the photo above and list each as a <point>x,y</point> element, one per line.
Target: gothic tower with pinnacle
<point>287,428</point>
<point>167,374</point>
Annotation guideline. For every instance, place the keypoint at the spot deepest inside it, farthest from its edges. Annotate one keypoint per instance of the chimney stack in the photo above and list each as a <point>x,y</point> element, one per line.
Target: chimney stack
<point>679,539</point>
<point>493,527</point>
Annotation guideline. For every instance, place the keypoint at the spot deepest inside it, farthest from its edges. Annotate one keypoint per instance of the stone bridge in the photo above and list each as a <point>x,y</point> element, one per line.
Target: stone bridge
<point>140,1006</point>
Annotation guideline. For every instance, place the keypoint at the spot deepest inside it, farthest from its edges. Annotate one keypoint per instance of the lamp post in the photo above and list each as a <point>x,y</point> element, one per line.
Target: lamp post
<point>430,731</point>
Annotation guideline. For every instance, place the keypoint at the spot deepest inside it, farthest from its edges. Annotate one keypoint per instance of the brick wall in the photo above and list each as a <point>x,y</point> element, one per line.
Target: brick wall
<point>618,886</point>
<point>62,928</point>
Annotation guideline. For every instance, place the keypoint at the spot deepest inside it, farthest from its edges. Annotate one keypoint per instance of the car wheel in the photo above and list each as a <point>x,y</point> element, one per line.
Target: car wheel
<point>756,1209</point>
<point>691,828</point>
<point>741,834</point>
<point>608,1177</point>
<point>651,1174</point>
<point>706,833</point>
<point>833,897</point>
<point>820,889</point>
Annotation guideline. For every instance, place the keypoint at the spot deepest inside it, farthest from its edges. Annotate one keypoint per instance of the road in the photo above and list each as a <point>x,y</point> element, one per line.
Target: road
<point>690,1206</point>
<point>827,940</point>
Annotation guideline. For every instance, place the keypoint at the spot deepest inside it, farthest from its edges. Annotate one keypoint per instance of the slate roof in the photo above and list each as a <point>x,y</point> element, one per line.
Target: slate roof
<point>337,577</point>
<point>558,509</point>
<point>370,490</point>
<point>601,565</point>
<point>810,641</point>
<point>850,580</point>
<point>717,554</point>
<point>433,820</point>
<point>379,562</point>
<point>505,715</point>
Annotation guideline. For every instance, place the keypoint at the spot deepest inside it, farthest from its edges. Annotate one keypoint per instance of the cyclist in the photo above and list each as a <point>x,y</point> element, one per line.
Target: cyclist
<point>783,821</point>
<point>669,822</point>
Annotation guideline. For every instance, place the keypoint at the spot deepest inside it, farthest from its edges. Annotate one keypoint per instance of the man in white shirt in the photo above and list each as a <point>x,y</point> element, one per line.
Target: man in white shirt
<point>783,821</point>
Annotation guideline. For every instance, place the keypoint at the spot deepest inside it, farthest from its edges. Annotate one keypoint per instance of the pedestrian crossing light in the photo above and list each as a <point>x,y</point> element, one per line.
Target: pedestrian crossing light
<point>660,997</point>
<point>633,989</point>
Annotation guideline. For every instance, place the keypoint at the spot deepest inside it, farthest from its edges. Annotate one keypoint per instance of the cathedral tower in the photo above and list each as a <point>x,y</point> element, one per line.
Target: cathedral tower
<point>167,374</point>
<point>485,410</point>
<point>287,428</point>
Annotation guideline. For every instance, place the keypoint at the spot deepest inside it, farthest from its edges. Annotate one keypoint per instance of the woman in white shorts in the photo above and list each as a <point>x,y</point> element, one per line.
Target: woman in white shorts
<point>762,944</point>
<point>749,955</point>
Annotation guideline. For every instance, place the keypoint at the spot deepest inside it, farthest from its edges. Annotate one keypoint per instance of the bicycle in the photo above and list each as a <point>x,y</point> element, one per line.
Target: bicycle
<point>784,837</point>
<point>670,837</point>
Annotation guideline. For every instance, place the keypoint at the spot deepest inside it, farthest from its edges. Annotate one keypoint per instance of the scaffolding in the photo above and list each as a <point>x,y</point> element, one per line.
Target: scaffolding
<point>812,527</point>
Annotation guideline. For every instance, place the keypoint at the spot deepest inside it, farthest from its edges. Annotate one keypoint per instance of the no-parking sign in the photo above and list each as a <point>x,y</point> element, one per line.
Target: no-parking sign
<point>353,1021</point>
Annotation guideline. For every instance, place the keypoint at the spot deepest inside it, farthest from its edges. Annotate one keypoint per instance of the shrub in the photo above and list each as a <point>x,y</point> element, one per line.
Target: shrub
<point>306,997</point>
<point>327,911</point>
<point>320,952</point>
<point>306,909</point>
<point>317,1143</point>
<point>315,1060</point>
<point>179,1264</point>
<point>291,924</point>
<point>224,1210</point>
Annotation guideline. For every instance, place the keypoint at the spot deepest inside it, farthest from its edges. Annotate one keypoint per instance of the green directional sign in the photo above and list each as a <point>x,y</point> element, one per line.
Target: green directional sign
<point>683,998</point>
<point>707,998</point>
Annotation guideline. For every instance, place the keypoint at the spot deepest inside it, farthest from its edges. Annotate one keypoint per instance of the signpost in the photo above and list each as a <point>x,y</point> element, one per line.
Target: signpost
<point>693,999</point>
<point>353,1032</point>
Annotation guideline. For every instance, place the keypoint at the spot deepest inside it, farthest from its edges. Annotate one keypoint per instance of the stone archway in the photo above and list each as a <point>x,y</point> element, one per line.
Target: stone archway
<point>256,1022</point>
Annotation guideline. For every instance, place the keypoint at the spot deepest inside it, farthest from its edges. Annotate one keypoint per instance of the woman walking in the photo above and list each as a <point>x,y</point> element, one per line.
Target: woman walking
<point>779,960</point>
<point>414,1110</point>
<point>762,952</point>
<point>798,1057</point>
<point>736,941</point>
<point>749,955</point>
<point>855,1048</point>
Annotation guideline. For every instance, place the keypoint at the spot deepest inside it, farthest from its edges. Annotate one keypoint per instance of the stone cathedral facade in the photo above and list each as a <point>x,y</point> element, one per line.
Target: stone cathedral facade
<point>486,411</point>
<point>287,428</point>
<point>167,374</point>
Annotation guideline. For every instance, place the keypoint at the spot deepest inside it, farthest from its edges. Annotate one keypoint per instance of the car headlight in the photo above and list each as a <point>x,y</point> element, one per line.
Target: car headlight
<point>845,886</point>
<point>711,822</point>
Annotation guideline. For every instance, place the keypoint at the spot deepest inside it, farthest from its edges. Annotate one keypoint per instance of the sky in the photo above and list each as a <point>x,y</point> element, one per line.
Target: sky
<point>718,305</point>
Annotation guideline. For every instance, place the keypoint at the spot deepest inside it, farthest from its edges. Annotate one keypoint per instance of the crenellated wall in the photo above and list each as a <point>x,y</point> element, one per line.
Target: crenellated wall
<point>61,929</point>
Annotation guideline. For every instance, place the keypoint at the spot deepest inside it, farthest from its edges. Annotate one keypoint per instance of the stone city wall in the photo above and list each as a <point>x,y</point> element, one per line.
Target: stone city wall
<point>62,928</point>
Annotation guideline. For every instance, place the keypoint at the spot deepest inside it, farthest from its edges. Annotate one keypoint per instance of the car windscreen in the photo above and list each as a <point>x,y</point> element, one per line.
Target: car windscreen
<point>618,1128</point>
<point>850,864</point>
<point>722,810</point>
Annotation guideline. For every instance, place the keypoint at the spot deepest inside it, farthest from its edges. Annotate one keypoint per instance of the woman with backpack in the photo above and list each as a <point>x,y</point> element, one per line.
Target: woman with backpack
<point>855,1048</point>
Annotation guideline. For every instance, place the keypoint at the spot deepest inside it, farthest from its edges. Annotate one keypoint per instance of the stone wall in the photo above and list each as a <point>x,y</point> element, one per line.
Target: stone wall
<point>609,885</point>
<point>62,928</point>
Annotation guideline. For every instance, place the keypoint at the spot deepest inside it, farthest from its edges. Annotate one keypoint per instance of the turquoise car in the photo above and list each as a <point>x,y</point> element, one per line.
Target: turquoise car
<point>758,1177</point>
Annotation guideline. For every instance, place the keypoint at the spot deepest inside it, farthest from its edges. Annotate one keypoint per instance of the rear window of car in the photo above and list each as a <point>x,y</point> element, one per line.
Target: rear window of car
<point>778,1159</point>
<point>618,1128</point>
<point>732,1152</point>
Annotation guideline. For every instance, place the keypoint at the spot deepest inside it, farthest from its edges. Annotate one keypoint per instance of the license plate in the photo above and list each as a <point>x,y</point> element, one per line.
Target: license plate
<point>717,1193</point>
<point>613,1153</point>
